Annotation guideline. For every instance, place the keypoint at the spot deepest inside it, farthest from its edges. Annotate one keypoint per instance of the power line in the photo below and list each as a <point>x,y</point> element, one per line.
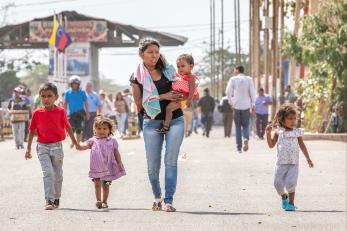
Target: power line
<point>43,3</point>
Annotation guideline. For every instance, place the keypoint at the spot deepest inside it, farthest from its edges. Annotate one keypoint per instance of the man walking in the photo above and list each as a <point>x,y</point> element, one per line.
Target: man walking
<point>207,105</point>
<point>94,107</point>
<point>227,111</point>
<point>241,95</point>
<point>261,109</point>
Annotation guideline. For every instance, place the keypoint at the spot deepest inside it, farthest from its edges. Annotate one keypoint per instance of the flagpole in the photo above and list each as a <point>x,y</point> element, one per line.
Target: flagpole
<point>65,56</point>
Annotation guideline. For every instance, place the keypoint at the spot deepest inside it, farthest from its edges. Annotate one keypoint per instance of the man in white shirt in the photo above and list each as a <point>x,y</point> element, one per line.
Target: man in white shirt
<point>241,95</point>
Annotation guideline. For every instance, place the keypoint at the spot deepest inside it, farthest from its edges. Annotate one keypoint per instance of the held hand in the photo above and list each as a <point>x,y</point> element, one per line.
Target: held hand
<point>253,110</point>
<point>28,154</point>
<point>78,147</point>
<point>310,163</point>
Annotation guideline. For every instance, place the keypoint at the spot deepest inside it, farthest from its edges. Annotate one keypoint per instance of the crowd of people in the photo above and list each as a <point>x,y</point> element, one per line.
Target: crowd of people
<point>168,108</point>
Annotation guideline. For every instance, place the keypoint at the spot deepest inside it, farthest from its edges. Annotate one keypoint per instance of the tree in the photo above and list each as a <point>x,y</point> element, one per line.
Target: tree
<point>203,69</point>
<point>322,45</point>
<point>8,81</point>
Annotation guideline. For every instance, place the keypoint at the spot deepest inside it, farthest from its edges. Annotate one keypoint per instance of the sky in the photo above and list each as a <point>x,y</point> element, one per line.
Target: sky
<point>187,18</point>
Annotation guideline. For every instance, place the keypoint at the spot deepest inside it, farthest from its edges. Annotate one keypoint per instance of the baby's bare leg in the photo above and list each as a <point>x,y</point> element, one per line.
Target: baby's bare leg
<point>174,105</point>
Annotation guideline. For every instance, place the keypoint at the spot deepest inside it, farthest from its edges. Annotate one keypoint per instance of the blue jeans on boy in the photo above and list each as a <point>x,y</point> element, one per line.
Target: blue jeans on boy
<point>154,144</point>
<point>241,118</point>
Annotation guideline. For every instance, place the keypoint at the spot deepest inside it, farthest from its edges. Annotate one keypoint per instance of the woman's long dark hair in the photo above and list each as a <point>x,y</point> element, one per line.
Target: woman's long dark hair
<point>145,43</point>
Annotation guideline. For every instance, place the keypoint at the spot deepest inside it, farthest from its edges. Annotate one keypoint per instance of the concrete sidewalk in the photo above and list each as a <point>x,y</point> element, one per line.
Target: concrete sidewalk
<point>218,189</point>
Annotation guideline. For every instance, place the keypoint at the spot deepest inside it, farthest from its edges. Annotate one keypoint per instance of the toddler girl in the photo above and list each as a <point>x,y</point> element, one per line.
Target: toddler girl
<point>186,84</point>
<point>105,161</point>
<point>289,140</point>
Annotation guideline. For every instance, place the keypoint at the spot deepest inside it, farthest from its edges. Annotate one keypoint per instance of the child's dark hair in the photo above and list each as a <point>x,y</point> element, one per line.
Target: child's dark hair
<point>48,87</point>
<point>102,120</point>
<point>187,57</point>
<point>145,43</point>
<point>284,111</point>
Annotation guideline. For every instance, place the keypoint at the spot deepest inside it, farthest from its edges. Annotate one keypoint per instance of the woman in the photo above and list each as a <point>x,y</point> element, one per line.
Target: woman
<point>18,109</point>
<point>122,110</point>
<point>151,84</point>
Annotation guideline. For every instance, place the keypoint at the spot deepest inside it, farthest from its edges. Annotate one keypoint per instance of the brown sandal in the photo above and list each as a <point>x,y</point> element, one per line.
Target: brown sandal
<point>157,206</point>
<point>169,208</point>
<point>98,204</point>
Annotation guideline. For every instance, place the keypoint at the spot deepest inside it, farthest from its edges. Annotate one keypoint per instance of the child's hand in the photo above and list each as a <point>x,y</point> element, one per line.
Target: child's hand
<point>268,129</point>
<point>310,163</point>
<point>78,147</point>
<point>189,103</point>
<point>28,154</point>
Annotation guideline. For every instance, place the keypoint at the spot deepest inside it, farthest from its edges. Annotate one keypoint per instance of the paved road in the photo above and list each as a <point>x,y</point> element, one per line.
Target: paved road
<point>217,190</point>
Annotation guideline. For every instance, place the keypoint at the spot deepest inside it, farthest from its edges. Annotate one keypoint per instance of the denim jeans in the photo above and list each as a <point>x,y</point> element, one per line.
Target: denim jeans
<point>51,159</point>
<point>154,145</point>
<point>18,132</point>
<point>262,121</point>
<point>88,129</point>
<point>241,118</point>
<point>122,122</point>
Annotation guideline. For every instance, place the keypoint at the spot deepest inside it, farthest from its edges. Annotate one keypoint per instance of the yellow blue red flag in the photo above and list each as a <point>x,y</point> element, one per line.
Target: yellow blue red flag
<point>59,38</point>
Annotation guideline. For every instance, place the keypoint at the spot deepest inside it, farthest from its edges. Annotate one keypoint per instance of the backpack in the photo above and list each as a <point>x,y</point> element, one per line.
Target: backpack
<point>225,107</point>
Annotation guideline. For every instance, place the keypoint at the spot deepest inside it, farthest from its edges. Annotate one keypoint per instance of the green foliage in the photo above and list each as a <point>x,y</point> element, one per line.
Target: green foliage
<point>322,45</point>
<point>8,81</point>
<point>37,75</point>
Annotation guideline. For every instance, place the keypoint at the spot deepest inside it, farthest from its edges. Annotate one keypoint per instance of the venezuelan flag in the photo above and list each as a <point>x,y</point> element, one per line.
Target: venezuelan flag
<point>62,39</point>
<point>59,38</point>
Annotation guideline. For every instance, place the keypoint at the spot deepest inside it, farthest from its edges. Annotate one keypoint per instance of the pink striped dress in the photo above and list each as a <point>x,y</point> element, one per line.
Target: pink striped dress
<point>103,164</point>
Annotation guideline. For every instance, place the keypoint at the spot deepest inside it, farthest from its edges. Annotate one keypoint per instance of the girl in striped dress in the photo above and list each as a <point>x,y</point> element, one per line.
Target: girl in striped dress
<point>105,160</point>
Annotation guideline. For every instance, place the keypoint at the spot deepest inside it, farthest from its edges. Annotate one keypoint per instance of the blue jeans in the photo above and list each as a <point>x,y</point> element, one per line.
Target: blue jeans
<point>154,145</point>
<point>241,118</point>
<point>122,120</point>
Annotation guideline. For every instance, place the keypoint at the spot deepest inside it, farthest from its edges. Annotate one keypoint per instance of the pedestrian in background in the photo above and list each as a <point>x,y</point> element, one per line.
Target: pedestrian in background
<point>262,103</point>
<point>94,107</point>
<point>207,104</point>
<point>76,105</point>
<point>16,107</point>
<point>121,112</point>
<point>241,95</point>
<point>227,112</point>
<point>50,123</point>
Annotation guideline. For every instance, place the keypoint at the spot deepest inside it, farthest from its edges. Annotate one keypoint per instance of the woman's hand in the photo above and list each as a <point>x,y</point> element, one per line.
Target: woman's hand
<point>172,96</point>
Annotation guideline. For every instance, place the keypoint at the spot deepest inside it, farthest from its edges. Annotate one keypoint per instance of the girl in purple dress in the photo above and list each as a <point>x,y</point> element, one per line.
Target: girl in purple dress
<point>105,161</point>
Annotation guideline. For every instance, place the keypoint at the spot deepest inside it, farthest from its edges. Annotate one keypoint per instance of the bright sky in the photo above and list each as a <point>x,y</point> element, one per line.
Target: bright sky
<point>182,17</point>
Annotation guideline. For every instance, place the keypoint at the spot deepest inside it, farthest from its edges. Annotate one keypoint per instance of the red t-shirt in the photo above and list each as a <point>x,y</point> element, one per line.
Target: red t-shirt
<point>50,125</point>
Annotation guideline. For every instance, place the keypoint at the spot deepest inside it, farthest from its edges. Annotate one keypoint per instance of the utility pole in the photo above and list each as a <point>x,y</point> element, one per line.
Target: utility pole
<point>256,42</point>
<point>236,33</point>
<point>214,47</point>
<point>266,44</point>
<point>282,57</point>
<point>274,55</point>
<point>250,56</point>
<point>211,47</point>
<point>222,48</point>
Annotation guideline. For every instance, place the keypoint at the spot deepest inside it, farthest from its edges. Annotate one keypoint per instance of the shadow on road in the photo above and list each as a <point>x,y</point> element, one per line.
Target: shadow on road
<point>218,213</point>
<point>143,209</point>
<point>320,211</point>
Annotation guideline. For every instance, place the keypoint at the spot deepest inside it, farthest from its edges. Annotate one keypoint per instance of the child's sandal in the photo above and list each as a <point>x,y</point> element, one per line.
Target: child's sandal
<point>164,129</point>
<point>104,205</point>
<point>98,204</point>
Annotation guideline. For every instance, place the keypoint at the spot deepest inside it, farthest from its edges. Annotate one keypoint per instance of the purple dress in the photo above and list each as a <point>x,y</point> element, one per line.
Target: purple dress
<point>103,164</point>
